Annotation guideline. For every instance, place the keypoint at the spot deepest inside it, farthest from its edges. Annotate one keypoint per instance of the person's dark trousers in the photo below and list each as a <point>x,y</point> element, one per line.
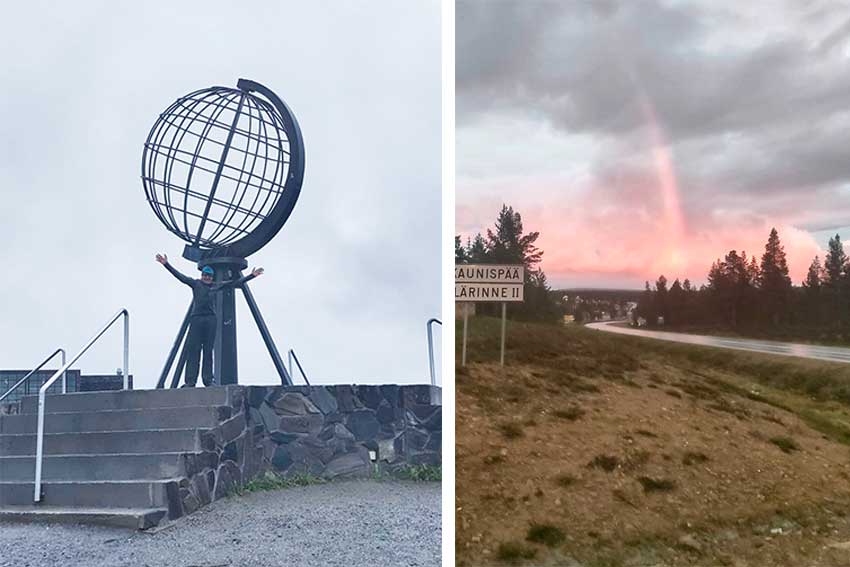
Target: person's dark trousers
<point>201,339</point>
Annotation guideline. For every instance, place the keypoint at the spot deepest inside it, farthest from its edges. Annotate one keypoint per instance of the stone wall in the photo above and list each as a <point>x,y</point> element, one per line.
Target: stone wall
<point>324,431</point>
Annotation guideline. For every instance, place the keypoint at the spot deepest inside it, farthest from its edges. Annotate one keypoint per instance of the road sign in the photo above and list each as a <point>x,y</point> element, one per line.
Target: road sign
<point>488,292</point>
<point>488,282</point>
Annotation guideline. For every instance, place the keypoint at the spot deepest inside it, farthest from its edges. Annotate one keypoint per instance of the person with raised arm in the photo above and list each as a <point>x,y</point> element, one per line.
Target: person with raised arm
<point>202,322</point>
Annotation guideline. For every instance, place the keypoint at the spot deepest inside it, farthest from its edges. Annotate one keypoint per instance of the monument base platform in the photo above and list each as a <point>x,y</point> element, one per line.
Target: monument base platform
<point>137,457</point>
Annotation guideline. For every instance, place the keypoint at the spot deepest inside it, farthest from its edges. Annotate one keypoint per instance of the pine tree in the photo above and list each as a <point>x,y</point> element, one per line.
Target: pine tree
<point>676,303</point>
<point>835,265</point>
<point>508,244</point>
<point>476,252</point>
<point>661,307</point>
<point>460,251</point>
<point>813,286</point>
<point>773,279</point>
<point>646,305</point>
<point>814,277</point>
<point>834,280</point>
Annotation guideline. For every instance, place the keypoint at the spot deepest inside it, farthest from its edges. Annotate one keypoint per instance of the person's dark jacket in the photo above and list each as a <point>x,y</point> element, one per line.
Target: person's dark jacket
<point>202,294</point>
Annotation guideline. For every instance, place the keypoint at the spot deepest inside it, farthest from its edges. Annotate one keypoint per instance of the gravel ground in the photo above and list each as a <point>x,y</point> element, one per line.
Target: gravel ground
<point>343,523</point>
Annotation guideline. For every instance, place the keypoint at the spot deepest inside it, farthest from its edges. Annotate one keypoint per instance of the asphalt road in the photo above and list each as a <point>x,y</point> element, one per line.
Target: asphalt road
<point>830,354</point>
<point>340,524</point>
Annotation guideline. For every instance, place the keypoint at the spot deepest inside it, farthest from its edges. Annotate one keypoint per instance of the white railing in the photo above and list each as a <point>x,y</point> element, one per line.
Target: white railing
<point>36,369</point>
<point>431,348</point>
<point>292,355</point>
<point>39,451</point>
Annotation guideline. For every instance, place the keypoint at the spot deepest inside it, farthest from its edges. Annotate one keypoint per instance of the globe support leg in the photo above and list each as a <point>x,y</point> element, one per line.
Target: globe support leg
<point>225,361</point>
<point>175,348</point>
<point>285,378</point>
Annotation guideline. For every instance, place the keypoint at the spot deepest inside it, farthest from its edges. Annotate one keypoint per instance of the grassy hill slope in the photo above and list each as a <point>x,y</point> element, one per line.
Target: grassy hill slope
<point>593,449</point>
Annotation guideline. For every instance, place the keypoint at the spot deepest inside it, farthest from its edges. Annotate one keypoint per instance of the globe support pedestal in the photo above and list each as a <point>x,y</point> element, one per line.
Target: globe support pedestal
<point>225,366</point>
<point>225,359</point>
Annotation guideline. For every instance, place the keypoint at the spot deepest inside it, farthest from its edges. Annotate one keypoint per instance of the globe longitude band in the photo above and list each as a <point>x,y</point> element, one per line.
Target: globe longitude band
<point>222,169</point>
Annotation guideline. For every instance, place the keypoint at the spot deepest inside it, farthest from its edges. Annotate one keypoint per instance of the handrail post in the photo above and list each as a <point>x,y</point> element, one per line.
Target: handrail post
<point>64,374</point>
<point>428,325</point>
<point>42,392</point>
<point>297,363</point>
<point>126,350</point>
<point>25,379</point>
<point>39,444</point>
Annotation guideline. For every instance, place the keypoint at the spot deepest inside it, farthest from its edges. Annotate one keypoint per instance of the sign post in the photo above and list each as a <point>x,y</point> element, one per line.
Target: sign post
<point>488,282</point>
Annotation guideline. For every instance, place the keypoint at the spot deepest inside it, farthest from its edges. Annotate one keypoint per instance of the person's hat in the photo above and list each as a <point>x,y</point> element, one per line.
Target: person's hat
<point>207,270</point>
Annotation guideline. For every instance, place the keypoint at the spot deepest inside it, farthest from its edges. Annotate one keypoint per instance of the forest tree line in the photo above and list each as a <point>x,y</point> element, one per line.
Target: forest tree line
<point>508,243</point>
<point>745,292</point>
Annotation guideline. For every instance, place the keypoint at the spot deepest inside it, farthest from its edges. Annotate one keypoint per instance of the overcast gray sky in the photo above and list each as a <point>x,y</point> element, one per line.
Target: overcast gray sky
<point>653,136</point>
<point>351,278</point>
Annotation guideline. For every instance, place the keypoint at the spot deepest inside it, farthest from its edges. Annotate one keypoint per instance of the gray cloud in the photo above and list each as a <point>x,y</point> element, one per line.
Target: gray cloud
<point>750,101</point>
<point>351,278</point>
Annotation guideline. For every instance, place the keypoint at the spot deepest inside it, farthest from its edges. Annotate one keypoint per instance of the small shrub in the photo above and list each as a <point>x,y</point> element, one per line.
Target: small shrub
<point>420,473</point>
<point>571,413</point>
<point>605,462</point>
<point>274,481</point>
<point>656,484</point>
<point>694,458</point>
<point>548,535</point>
<point>511,430</point>
<point>565,480</point>
<point>646,433</point>
<point>787,444</point>
<point>514,552</point>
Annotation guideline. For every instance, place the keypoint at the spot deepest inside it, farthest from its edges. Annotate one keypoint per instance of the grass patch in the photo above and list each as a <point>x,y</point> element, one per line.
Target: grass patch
<point>274,481</point>
<point>656,484</point>
<point>565,480</point>
<point>694,458</point>
<point>571,413</point>
<point>514,552</point>
<point>420,473</point>
<point>546,534</point>
<point>605,462</point>
<point>787,444</point>
<point>494,459</point>
<point>511,430</point>
<point>646,433</point>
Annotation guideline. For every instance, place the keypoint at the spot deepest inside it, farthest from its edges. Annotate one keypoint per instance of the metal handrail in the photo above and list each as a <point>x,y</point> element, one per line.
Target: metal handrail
<point>39,452</point>
<point>429,324</point>
<point>291,356</point>
<point>36,369</point>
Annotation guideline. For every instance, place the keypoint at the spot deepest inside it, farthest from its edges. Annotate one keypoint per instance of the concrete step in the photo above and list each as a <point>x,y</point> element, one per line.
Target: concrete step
<point>103,442</point>
<point>117,420</point>
<point>89,494</point>
<point>128,399</point>
<point>131,466</point>
<point>133,518</point>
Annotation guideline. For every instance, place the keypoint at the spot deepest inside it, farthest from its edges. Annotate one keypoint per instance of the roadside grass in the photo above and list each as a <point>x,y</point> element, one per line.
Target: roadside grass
<point>787,444</point>
<point>546,534</point>
<point>274,481</point>
<point>572,358</point>
<point>515,552</point>
<point>511,430</point>
<point>656,484</point>
<point>420,473</point>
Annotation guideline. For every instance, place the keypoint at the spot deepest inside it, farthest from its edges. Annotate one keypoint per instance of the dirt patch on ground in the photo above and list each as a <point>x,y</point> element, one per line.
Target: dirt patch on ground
<point>631,459</point>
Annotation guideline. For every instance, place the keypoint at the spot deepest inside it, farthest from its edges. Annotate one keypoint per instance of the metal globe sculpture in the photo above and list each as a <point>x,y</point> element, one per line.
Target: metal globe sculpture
<point>222,169</point>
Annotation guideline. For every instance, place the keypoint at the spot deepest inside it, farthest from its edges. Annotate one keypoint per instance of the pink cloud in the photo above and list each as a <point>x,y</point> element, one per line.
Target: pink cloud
<point>624,232</point>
